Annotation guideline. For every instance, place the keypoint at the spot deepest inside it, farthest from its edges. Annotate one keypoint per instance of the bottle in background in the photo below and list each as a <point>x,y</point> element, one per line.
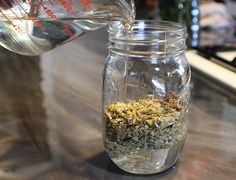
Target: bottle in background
<point>182,11</point>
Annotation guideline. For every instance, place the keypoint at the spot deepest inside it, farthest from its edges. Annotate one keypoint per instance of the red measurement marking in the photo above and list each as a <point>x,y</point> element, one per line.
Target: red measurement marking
<point>11,10</point>
<point>72,11</point>
<point>50,2</point>
<point>67,6</point>
<point>34,20</point>
<point>48,11</point>
<point>17,28</point>
<point>85,3</point>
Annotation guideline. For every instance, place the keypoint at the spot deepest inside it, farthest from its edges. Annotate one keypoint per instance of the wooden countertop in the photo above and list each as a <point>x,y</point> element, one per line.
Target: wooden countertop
<point>50,119</point>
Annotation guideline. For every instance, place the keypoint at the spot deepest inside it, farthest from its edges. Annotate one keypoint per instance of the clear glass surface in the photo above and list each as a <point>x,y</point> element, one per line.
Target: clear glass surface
<point>145,96</point>
<point>32,27</point>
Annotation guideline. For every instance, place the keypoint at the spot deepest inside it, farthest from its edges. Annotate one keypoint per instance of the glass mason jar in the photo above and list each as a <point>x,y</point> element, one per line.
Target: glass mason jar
<point>145,96</point>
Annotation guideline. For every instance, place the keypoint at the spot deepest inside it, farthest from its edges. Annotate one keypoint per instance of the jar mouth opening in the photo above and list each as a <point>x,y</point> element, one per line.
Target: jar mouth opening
<point>148,26</point>
<point>148,37</point>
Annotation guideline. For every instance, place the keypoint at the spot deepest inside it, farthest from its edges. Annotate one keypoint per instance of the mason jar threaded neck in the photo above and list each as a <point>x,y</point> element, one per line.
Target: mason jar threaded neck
<point>147,38</point>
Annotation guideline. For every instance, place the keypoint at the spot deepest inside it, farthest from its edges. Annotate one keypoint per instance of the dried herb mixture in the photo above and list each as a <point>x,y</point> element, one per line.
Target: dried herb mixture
<point>151,123</point>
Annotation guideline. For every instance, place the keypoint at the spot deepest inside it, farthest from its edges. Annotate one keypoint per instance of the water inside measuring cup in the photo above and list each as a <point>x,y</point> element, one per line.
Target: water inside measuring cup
<point>33,35</point>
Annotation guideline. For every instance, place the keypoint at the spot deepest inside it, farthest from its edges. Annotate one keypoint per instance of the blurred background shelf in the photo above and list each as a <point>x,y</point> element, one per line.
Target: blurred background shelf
<point>211,27</point>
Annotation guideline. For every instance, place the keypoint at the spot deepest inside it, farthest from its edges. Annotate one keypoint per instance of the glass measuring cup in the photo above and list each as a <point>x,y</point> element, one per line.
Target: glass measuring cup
<point>31,27</point>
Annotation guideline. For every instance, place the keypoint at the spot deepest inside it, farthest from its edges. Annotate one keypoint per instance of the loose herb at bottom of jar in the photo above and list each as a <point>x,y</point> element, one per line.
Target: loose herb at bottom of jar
<point>151,123</point>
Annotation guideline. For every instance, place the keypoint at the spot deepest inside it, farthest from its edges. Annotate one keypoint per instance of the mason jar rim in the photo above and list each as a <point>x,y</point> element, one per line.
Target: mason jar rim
<point>147,38</point>
<point>158,27</point>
